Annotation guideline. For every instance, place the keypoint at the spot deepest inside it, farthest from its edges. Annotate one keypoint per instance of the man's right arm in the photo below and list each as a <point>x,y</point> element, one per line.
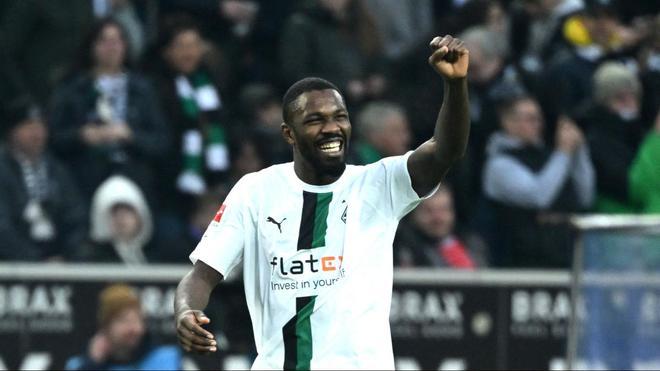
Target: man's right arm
<point>192,296</point>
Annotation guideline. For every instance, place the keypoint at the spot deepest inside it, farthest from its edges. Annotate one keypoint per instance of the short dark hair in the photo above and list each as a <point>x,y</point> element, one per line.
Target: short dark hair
<point>506,105</point>
<point>300,87</point>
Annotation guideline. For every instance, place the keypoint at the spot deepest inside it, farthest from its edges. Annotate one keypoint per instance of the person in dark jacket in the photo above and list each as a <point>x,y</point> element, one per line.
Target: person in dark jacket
<point>106,118</point>
<point>41,214</point>
<point>427,237</point>
<point>121,228</point>
<point>532,185</point>
<point>191,97</point>
<point>39,39</point>
<point>614,132</point>
<point>121,342</point>
<point>337,40</point>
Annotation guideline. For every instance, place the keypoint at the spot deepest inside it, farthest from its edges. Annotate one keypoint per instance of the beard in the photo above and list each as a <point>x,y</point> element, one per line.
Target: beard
<point>332,167</point>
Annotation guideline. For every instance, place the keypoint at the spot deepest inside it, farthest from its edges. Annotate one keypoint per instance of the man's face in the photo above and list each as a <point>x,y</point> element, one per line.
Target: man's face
<point>125,222</point>
<point>394,137</point>
<point>110,47</point>
<point>625,103</point>
<point>30,137</point>
<point>435,216</point>
<point>524,121</point>
<point>125,333</point>
<point>185,52</point>
<point>320,130</point>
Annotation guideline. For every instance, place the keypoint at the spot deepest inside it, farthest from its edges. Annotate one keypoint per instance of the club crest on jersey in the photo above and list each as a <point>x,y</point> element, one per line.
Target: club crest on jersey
<point>343,215</point>
<point>218,215</point>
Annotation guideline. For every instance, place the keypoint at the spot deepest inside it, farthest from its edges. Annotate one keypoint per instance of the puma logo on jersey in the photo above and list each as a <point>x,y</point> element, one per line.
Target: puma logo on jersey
<point>279,225</point>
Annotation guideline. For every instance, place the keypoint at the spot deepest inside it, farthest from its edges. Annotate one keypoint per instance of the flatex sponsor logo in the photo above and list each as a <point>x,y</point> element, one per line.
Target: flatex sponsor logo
<point>37,309</point>
<point>427,314</point>
<point>540,313</point>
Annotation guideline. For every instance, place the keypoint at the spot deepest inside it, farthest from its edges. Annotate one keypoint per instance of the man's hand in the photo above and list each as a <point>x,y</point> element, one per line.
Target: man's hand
<point>93,134</point>
<point>568,137</point>
<point>99,348</point>
<point>192,336</point>
<point>450,57</point>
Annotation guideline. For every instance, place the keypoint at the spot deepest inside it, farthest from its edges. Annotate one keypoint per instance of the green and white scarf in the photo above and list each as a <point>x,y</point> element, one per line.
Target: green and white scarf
<point>201,148</point>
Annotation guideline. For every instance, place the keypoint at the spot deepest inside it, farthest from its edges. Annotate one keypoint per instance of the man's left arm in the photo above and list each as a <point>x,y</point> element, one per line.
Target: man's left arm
<point>429,163</point>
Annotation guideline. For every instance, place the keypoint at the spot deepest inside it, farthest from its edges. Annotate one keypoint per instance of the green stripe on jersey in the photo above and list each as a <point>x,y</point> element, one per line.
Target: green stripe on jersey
<point>321,219</point>
<point>297,336</point>
<point>297,332</point>
<point>304,335</point>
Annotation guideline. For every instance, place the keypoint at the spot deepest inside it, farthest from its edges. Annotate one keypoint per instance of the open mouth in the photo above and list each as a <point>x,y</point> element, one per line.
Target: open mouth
<point>332,146</point>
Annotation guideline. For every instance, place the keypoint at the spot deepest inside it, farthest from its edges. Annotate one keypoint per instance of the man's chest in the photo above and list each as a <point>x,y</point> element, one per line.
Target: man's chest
<point>297,221</point>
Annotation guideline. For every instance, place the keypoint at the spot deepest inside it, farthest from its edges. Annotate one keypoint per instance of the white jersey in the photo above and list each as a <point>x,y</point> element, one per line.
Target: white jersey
<point>317,262</point>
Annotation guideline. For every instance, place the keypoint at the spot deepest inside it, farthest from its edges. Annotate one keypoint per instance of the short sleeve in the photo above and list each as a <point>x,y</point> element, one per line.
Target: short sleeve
<point>221,246</point>
<point>400,196</point>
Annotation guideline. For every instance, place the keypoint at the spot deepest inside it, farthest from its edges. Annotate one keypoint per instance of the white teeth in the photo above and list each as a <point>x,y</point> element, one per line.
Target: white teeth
<point>330,147</point>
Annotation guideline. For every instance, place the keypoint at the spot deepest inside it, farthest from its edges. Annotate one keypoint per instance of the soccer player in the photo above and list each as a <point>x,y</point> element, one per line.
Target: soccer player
<point>315,236</point>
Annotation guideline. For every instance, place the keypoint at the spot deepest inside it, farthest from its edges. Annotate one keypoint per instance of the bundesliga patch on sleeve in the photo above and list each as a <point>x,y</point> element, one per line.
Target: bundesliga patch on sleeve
<point>218,215</point>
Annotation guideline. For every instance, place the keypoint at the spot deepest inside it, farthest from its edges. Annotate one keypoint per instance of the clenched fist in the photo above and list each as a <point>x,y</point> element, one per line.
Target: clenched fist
<point>449,58</point>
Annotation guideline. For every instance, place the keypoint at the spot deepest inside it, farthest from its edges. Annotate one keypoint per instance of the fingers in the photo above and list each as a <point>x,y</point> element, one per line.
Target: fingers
<point>446,48</point>
<point>438,55</point>
<point>191,347</point>
<point>202,318</point>
<point>192,336</point>
<point>191,321</point>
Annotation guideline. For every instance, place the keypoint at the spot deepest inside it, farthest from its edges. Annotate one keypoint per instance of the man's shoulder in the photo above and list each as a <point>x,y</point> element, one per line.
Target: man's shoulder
<point>381,165</point>
<point>269,176</point>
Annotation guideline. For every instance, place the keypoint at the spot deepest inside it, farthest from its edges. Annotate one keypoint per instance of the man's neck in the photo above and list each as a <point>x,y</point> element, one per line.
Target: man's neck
<point>306,173</point>
<point>107,70</point>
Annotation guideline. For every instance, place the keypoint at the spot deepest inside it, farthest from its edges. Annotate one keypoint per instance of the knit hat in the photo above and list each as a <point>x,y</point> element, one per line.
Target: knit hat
<point>113,300</point>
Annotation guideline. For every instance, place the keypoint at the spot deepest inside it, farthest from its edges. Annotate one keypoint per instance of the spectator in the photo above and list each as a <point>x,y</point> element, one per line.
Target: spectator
<point>536,31</point>
<point>649,65</point>
<point>530,183</point>
<point>121,224</point>
<point>121,341</point>
<point>594,35</point>
<point>337,40</point>
<point>40,40</point>
<point>126,14</point>
<point>490,80</point>
<point>427,238</point>
<point>262,110</point>
<point>405,25</point>
<point>490,77</point>
<point>41,215</point>
<point>106,119</point>
<point>246,157</point>
<point>191,98</point>
<point>489,14</point>
<point>644,177</point>
<point>383,131</point>
<point>247,32</point>
<point>614,132</point>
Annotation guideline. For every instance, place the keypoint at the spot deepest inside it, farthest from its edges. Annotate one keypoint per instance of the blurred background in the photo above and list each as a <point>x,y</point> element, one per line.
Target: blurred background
<point>124,124</point>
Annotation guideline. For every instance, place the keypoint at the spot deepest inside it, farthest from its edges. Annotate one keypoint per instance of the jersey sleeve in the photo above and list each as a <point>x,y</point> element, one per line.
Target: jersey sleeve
<point>399,196</point>
<point>221,246</point>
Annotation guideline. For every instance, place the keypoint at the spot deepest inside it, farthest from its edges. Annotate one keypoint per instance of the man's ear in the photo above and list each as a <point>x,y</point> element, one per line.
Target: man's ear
<point>287,133</point>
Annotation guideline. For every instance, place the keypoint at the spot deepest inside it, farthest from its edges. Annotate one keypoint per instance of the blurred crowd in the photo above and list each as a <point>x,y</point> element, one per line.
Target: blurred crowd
<point>125,123</point>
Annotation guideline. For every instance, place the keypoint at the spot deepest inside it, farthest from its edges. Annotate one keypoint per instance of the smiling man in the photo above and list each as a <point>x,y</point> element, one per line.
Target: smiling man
<point>315,235</point>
